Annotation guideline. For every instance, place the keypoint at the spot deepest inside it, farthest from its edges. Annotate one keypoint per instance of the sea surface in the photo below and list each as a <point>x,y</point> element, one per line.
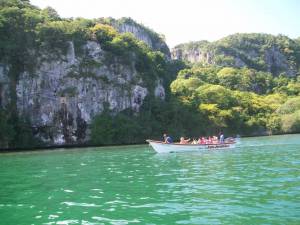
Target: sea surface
<point>256,183</point>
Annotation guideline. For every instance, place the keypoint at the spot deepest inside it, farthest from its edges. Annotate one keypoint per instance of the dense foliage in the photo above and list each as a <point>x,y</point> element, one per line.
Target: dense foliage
<point>155,118</point>
<point>259,51</point>
<point>157,41</point>
<point>242,101</point>
<point>243,82</point>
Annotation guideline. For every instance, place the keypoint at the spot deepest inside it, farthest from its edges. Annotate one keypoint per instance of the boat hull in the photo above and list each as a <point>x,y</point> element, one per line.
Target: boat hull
<point>161,147</point>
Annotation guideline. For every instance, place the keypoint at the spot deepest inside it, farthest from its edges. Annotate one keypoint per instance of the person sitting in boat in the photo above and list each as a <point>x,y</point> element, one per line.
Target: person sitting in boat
<point>194,142</point>
<point>210,140</point>
<point>215,140</point>
<point>167,139</point>
<point>184,141</point>
<point>201,141</point>
<point>221,137</point>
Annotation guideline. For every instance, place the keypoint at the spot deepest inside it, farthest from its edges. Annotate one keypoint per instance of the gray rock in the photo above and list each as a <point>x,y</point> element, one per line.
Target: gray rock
<point>4,85</point>
<point>144,34</point>
<point>63,95</point>
<point>207,53</point>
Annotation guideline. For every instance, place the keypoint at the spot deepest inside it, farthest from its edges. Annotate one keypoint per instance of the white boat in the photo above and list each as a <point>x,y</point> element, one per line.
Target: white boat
<point>161,147</point>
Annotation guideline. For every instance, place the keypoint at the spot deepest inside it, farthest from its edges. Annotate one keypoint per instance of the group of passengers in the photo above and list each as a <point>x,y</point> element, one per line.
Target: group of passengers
<point>200,141</point>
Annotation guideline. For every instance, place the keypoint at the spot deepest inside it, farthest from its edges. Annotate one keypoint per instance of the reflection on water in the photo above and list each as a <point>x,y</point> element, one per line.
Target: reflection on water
<point>255,183</point>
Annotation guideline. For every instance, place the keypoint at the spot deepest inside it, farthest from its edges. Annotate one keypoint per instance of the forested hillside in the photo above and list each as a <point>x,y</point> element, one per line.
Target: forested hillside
<point>263,52</point>
<point>244,100</point>
<point>107,81</point>
<point>241,82</point>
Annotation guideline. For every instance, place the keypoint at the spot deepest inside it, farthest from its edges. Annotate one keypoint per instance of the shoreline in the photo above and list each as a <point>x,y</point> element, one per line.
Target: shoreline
<point>59,147</point>
<point>71,146</point>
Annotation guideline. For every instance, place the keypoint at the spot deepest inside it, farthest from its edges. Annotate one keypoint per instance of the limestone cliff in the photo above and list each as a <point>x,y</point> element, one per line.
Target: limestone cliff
<point>67,90</point>
<point>275,54</point>
<point>150,37</point>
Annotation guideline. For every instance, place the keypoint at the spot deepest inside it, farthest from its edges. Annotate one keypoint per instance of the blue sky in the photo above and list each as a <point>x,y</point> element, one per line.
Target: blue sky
<point>192,20</point>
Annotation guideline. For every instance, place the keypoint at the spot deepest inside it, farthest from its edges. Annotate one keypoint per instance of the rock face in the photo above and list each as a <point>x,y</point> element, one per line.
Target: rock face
<point>151,38</point>
<point>192,55</point>
<point>275,54</point>
<point>67,91</point>
<point>4,85</point>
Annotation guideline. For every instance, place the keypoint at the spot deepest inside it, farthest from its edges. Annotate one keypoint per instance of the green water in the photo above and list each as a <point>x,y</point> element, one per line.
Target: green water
<point>256,183</point>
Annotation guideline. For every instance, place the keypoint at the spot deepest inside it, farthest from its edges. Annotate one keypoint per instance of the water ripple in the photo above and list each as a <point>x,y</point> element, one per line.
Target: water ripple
<point>257,183</point>
<point>80,204</point>
<point>115,221</point>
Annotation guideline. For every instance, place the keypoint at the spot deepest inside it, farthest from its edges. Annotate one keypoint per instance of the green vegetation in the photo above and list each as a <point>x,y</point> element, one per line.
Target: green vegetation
<point>16,131</point>
<point>155,117</point>
<point>247,84</point>
<point>289,113</point>
<point>157,40</point>
<point>255,50</point>
<point>242,101</point>
<point>6,129</point>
